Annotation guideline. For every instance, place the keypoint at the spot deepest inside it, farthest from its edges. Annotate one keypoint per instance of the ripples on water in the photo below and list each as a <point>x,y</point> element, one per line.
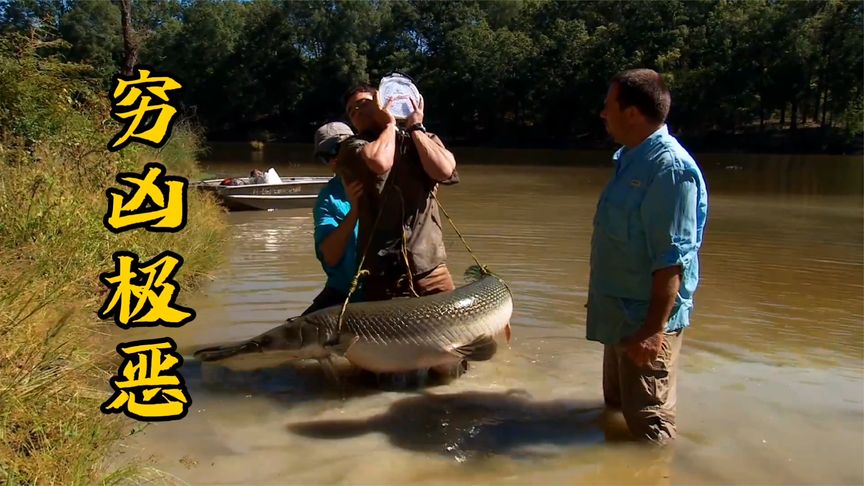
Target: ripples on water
<point>785,278</point>
<point>771,371</point>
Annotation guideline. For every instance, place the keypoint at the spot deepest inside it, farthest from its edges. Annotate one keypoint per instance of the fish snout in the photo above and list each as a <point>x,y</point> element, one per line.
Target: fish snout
<point>216,353</point>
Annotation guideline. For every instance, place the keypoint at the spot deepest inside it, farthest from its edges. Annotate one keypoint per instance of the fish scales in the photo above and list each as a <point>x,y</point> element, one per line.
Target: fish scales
<point>442,322</point>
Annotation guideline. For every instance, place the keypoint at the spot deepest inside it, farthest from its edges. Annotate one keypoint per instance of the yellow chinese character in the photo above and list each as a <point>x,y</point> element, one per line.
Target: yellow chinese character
<point>134,289</point>
<point>156,202</point>
<point>155,118</point>
<point>148,387</point>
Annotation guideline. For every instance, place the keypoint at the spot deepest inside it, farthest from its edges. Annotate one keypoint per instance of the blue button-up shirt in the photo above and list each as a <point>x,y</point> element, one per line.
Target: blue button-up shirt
<point>650,216</point>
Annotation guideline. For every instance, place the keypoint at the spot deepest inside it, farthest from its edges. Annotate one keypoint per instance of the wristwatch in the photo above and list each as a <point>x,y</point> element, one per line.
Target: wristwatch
<point>416,126</point>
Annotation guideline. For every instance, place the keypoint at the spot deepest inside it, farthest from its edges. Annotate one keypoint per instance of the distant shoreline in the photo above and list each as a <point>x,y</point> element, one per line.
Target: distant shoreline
<point>802,141</point>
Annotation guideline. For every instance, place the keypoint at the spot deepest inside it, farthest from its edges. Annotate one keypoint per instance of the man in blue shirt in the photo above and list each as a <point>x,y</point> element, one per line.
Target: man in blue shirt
<point>644,255</point>
<point>335,216</point>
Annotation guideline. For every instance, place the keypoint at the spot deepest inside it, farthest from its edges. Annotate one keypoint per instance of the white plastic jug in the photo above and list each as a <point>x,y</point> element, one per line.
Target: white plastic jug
<point>402,90</point>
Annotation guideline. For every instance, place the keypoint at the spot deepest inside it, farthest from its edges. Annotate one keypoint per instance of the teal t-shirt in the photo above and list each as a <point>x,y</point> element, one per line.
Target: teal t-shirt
<point>330,210</point>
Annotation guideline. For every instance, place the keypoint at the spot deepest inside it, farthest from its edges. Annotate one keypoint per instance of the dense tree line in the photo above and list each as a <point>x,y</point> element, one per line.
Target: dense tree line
<point>511,72</point>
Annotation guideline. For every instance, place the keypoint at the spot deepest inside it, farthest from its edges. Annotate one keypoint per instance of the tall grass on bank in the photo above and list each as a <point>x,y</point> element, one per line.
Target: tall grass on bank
<point>55,358</point>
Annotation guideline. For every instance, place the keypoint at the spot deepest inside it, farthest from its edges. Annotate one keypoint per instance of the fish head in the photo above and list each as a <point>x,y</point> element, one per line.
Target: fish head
<point>298,338</point>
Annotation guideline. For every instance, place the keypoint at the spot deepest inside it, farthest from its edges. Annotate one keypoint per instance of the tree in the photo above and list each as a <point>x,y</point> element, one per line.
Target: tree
<point>531,71</point>
<point>93,31</point>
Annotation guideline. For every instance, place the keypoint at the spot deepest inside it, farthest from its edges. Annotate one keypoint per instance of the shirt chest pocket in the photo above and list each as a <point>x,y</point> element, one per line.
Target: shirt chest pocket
<point>614,221</point>
<point>619,214</point>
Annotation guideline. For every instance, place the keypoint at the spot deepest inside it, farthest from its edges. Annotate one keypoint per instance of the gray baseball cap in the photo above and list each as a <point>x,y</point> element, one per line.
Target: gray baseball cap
<point>328,137</point>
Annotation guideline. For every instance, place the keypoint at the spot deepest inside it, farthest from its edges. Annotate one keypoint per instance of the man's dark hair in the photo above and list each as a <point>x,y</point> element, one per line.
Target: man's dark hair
<point>360,88</point>
<point>644,89</point>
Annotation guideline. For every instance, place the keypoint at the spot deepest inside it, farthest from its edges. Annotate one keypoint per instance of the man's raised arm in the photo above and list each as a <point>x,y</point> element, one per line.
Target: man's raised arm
<point>437,161</point>
<point>379,153</point>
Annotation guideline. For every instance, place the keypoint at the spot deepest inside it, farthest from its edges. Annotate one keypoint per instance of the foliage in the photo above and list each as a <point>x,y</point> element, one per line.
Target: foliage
<point>521,71</point>
<point>54,169</point>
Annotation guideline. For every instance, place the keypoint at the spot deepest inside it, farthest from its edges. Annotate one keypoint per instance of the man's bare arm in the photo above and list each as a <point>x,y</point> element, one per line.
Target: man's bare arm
<point>664,287</point>
<point>379,154</point>
<point>644,346</point>
<point>437,161</point>
<point>334,245</point>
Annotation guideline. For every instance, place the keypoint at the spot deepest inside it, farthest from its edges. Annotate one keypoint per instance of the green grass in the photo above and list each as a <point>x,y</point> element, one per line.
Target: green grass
<point>56,357</point>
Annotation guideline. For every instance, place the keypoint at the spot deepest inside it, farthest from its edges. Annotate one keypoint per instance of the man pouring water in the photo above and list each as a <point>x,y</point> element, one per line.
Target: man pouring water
<point>400,165</point>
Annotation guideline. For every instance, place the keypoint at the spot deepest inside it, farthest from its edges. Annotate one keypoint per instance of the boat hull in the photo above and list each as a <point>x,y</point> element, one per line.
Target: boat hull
<point>292,193</point>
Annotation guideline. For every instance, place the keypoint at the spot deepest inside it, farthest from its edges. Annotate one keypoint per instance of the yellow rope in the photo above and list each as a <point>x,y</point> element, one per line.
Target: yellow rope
<point>459,234</point>
<point>404,252</point>
<point>408,265</point>
<point>355,282</point>
<point>483,269</point>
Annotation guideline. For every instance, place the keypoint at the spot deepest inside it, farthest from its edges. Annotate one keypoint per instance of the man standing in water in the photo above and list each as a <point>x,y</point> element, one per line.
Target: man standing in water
<point>400,168</point>
<point>644,255</point>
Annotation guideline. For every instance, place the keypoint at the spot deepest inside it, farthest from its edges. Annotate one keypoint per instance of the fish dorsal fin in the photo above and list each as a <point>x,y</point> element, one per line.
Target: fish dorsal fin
<point>480,349</point>
<point>475,273</point>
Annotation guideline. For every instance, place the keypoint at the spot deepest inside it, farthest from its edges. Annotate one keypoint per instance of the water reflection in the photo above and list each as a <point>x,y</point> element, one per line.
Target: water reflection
<point>782,261</point>
<point>771,373</point>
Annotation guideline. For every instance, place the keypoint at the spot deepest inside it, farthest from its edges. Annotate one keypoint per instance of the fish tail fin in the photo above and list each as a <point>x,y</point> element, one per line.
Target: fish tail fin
<point>216,353</point>
<point>480,349</point>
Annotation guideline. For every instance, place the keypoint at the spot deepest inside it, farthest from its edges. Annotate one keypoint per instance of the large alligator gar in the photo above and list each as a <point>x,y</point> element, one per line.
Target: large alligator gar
<point>392,336</point>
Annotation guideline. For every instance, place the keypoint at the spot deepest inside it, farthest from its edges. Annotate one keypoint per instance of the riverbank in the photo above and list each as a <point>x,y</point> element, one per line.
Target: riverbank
<point>57,357</point>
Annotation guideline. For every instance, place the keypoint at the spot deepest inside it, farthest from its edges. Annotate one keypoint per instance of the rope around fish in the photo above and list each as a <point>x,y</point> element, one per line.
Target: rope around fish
<point>355,282</point>
<point>483,268</point>
<point>362,273</point>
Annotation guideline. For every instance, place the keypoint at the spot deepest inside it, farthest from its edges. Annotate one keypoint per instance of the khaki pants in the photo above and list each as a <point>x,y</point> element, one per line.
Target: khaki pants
<point>647,396</point>
<point>434,281</point>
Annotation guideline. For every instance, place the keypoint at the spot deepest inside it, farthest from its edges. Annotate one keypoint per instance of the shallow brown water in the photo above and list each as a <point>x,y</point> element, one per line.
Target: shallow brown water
<point>770,390</point>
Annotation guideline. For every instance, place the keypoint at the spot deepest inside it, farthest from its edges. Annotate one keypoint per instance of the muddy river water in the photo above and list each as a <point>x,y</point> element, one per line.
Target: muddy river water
<point>770,385</point>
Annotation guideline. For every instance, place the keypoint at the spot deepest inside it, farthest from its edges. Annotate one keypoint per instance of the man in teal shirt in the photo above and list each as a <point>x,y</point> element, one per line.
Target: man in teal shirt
<point>644,256</point>
<point>335,216</point>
